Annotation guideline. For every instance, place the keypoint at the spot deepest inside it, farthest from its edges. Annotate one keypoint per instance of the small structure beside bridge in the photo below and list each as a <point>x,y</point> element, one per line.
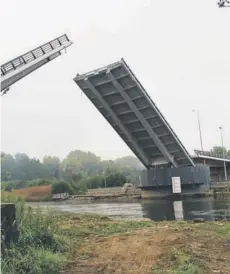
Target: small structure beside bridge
<point>216,164</point>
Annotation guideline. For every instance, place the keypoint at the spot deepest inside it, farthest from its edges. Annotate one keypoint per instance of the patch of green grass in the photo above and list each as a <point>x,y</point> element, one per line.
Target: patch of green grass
<point>216,229</point>
<point>33,261</point>
<point>221,229</point>
<point>106,229</point>
<point>178,261</point>
<point>84,226</point>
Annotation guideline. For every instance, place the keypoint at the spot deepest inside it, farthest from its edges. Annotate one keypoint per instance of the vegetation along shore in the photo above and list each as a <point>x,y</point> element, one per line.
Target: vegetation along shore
<point>50,243</point>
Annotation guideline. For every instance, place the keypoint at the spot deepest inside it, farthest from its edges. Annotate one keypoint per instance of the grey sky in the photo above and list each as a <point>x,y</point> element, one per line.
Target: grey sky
<point>179,50</point>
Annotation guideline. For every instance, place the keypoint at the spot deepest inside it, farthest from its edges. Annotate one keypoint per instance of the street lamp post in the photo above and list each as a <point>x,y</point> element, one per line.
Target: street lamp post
<point>105,181</point>
<point>199,127</point>
<point>224,156</point>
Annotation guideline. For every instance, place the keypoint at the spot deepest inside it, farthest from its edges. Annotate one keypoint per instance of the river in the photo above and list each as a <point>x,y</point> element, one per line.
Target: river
<point>209,209</point>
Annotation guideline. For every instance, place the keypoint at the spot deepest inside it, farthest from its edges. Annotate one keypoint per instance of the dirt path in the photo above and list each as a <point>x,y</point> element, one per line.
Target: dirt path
<point>131,253</point>
<point>134,252</point>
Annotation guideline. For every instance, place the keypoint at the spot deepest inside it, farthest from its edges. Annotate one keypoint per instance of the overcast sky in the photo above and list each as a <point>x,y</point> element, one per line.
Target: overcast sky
<point>179,50</point>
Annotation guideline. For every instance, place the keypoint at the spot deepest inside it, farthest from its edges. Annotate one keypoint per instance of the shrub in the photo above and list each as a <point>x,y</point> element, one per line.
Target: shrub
<point>62,187</point>
<point>44,183</point>
<point>79,187</point>
<point>21,185</point>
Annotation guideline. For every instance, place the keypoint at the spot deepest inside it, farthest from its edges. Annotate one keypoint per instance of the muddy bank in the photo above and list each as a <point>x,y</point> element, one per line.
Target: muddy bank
<point>117,197</point>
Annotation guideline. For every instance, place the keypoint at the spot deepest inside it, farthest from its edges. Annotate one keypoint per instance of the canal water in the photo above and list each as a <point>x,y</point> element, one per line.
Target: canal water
<point>207,208</point>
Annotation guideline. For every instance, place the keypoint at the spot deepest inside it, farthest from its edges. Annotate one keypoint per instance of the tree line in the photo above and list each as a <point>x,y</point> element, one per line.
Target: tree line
<point>77,163</point>
<point>77,172</point>
<point>220,151</point>
<point>83,169</point>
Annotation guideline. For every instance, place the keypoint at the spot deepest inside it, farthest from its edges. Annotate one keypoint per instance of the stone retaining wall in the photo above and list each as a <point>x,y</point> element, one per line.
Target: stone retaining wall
<point>114,191</point>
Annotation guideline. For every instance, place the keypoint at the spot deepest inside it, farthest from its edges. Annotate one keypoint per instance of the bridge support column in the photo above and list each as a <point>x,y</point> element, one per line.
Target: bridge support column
<point>193,180</point>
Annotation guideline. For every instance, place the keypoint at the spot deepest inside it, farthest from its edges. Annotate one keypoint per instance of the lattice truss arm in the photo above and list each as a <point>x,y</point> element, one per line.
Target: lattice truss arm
<point>21,66</point>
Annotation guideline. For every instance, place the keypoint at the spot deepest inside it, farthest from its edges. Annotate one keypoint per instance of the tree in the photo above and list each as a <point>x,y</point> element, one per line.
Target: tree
<point>74,168</point>
<point>219,151</point>
<point>95,182</point>
<point>6,176</point>
<point>52,167</point>
<point>8,166</point>
<point>77,177</point>
<point>22,169</point>
<point>35,170</point>
<point>80,161</point>
<point>129,162</point>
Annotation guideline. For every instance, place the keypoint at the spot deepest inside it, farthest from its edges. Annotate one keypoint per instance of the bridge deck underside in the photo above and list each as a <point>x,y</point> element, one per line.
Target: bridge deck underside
<point>121,99</point>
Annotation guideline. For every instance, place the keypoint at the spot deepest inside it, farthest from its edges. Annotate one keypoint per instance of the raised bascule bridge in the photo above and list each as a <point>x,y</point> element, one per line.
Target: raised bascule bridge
<point>119,96</point>
<point>19,67</point>
<point>122,100</point>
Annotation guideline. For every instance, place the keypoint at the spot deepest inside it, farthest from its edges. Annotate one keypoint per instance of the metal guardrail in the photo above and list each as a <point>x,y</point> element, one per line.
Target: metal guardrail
<point>34,54</point>
<point>211,154</point>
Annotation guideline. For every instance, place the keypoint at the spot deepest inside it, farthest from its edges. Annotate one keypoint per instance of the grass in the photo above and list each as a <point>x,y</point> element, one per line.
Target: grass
<point>174,247</point>
<point>201,249</point>
<point>51,243</point>
<point>91,225</point>
<point>132,247</point>
<point>40,247</point>
<point>178,261</point>
<point>31,194</point>
<point>33,261</point>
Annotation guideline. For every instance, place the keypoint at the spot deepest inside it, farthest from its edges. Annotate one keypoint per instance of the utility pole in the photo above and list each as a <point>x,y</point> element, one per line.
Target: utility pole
<point>199,127</point>
<point>224,156</point>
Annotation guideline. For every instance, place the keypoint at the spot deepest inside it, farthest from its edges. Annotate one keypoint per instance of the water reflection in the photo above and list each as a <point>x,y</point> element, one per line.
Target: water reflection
<point>187,209</point>
<point>178,210</point>
<point>208,209</point>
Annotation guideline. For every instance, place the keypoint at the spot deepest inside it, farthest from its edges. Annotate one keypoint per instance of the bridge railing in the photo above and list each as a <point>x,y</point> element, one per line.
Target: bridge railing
<point>211,154</point>
<point>34,54</point>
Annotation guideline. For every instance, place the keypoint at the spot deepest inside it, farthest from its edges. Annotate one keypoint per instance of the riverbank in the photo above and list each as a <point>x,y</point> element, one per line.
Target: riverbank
<point>43,193</point>
<point>80,243</point>
<point>107,246</point>
<point>133,193</point>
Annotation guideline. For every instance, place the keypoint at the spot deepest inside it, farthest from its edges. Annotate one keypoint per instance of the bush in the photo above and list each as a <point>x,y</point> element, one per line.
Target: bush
<point>112,179</point>
<point>21,185</point>
<point>115,179</point>
<point>62,187</point>
<point>9,185</point>
<point>43,183</point>
<point>8,188</point>
<point>79,187</point>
